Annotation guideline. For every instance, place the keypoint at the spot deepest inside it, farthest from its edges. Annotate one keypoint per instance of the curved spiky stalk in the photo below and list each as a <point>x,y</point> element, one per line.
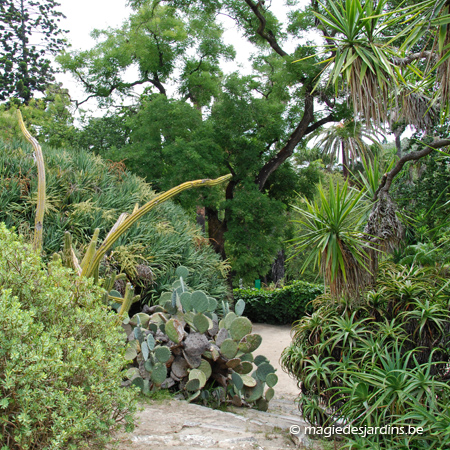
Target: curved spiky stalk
<point>137,214</point>
<point>40,208</point>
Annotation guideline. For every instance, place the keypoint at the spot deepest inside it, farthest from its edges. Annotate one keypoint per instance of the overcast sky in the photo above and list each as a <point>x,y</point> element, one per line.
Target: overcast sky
<point>83,16</point>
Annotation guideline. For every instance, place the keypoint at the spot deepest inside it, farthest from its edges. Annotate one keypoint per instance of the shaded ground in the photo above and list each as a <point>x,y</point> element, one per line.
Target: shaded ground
<point>179,425</point>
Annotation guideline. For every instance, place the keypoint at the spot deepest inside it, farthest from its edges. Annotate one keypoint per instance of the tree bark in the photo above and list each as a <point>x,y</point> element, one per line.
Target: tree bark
<point>297,135</point>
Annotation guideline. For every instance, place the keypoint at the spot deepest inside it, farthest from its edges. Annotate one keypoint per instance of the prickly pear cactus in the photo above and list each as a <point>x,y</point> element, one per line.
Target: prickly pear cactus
<point>182,344</point>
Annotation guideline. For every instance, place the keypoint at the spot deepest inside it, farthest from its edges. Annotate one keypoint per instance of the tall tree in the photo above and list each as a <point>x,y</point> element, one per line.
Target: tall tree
<point>247,125</point>
<point>29,34</point>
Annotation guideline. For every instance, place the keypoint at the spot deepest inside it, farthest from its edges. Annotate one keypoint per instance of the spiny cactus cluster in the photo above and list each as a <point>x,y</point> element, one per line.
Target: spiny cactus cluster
<point>183,344</point>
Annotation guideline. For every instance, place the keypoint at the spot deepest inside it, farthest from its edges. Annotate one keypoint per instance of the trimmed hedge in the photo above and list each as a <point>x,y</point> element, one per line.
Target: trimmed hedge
<point>279,306</point>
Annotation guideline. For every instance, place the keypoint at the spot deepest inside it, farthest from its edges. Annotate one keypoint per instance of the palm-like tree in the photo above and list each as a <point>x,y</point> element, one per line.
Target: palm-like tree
<point>347,141</point>
<point>365,60</point>
<point>332,232</point>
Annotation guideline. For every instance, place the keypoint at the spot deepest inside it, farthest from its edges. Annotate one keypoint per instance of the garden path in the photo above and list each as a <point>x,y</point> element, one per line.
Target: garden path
<point>179,425</point>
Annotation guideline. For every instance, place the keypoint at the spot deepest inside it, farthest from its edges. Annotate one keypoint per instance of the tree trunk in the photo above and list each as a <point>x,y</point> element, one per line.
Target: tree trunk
<point>201,217</point>
<point>278,268</point>
<point>344,161</point>
<point>216,231</point>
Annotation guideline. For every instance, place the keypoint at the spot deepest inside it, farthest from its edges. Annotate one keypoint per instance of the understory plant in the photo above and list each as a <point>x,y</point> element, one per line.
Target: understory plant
<point>380,362</point>
<point>85,192</point>
<point>192,344</point>
<point>60,371</point>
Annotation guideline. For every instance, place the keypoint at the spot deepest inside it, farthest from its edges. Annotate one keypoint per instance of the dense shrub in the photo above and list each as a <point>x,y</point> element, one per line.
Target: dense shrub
<point>379,363</point>
<point>279,306</point>
<point>60,368</point>
<point>85,192</point>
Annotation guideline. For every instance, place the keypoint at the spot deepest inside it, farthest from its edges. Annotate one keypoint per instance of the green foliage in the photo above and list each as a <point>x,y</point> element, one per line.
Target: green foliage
<point>383,362</point>
<point>85,192</point>
<point>61,382</point>
<point>49,119</point>
<point>279,306</point>
<point>29,35</point>
<point>174,345</point>
<point>331,229</point>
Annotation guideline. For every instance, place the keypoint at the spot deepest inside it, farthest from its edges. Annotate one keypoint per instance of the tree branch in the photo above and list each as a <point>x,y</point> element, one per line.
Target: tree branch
<point>387,179</point>
<point>402,62</point>
<point>268,36</point>
<point>302,130</point>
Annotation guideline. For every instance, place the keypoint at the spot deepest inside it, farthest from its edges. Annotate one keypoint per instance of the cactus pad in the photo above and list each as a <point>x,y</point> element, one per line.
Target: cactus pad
<point>162,354</point>
<point>263,370</point>
<point>248,380</point>
<point>141,319</point>
<point>260,359</point>
<point>228,320</point>
<point>185,300</point>
<point>252,394</point>
<point>205,367</point>
<point>269,394</point>
<point>271,380</point>
<point>193,385</point>
<point>174,330</point>
<point>240,327</point>
<point>245,367</point>
<point>234,363</point>
<point>212,304</point>
<point>182,271</point>
<point>145,351</point>
<point>221,336</point>
<point>229,348</point>
<point>250,343</point>
<point>237,381</point>
<point>151,342</point>
<point>179,367</point>
<point>159,373</point>
<point>197,374</point>
<point>262,404</point>
<point>239,307</point>
<point>199,301</point>
<point>130,353</point>
<point>201,323</point>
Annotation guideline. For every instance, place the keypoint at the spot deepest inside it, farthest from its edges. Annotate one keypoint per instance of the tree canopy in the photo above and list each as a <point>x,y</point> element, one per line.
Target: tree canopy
<point>29,35</point>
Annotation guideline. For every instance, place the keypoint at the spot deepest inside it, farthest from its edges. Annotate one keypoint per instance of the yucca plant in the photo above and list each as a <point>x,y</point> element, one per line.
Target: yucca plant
<point>332,230</point>
<point>360,56</point>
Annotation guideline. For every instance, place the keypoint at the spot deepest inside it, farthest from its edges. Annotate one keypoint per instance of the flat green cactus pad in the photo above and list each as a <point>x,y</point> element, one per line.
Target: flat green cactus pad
<point>251,394</point>
<point>229,348</point>
<point>199,301</point>
<point>250,343</point>
<point>263,370</point>
<point>162,354</point>
<point>237,380</point>
<point>271,379</point>
<point>159,373</point>
<point>182,271</point>
<point>201,323</point>
<point>205,367</point>
<point>193,385</point>
<point>240,327</point>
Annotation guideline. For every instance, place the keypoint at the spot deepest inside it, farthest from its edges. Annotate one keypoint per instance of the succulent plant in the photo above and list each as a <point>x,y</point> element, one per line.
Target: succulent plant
<point>183,345</point>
